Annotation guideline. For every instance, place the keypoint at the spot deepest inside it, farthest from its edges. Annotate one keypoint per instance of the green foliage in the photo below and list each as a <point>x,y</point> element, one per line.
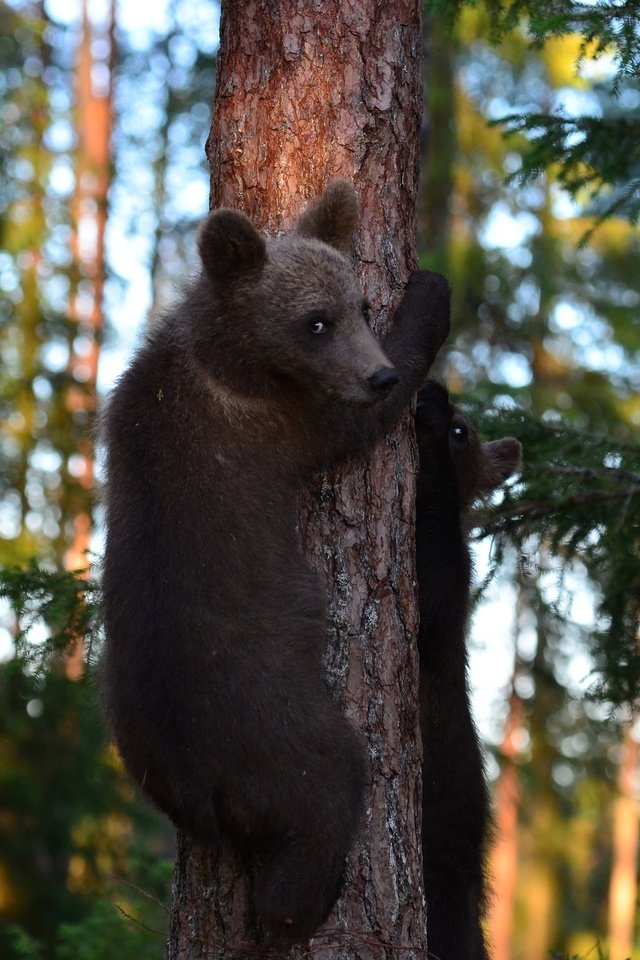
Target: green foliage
<point>22,946</point>
<point>600,954</point>
<point>69,605</point>
<point>605,27</point>
<point>592,153</point>
<point>597,154</point>
<point>579,495</point>
<point>68,809</point>
<point>108,930</point>
<point>71,820</point>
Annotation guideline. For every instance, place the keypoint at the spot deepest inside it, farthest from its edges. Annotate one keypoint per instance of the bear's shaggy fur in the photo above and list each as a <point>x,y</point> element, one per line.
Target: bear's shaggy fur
<point>265,372</point>
<point>455,469</point>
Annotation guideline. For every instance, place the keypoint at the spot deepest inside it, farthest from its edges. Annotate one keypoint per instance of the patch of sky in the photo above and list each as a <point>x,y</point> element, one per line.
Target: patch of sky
<point>59,136</point>
<point>505,401</point>
<point>141,21</point>
<point>584,337</point>
<point>45,459</point>
<point>597,71</point>
<point>188,198</point>
<point>64,11</point>
<point>527,295</point>
<point>629,99</point>
<point>613,461</point>
<point>562,774</point>
<point>61,177</point>
<point>531,197</point>
<point>9,276</point>
<point>10,515</point>
<point>56,288</point>
<point>42,389</point>
<point>21,169</point>
<point>575,102</point>
<point>491,652</point>
<point>201,20</point>
<point>496,85</point>
<point>565,316</point>
<point>55,355</point>
<point>183,52</point>
<point>58,246</point>
<point>512,369</point>
<point>506,230</point>
<point>520,257</point>
<point>148,116</point>
<point>59,99</point>
<point>6,614</point>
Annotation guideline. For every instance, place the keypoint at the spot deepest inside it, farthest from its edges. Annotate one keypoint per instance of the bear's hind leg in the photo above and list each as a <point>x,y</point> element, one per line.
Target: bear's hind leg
<point>296,888</point>
<point>188,802</point>
<point>299,877</point>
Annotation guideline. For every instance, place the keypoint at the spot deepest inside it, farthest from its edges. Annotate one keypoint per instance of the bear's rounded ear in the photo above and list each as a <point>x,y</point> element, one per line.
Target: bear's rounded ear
<point>230,246</point>
<point>333,217</point>
<point>501,458</point>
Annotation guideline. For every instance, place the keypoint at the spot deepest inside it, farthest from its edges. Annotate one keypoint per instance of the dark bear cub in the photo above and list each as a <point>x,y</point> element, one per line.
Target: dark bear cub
<point>265,372</point>
<point>455,469</point>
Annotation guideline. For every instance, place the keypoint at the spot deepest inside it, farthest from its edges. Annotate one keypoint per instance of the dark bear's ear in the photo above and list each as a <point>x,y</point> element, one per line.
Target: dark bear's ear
<point>333,217</point>
<point>501,458</point>
<point>230,246</point>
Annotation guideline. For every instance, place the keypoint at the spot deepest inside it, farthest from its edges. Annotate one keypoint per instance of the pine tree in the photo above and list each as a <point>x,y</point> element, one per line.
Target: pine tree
<point>347,93</point>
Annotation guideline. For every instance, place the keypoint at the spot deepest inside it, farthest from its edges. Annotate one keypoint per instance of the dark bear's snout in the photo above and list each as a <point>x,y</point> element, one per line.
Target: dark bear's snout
<point>383,380</point>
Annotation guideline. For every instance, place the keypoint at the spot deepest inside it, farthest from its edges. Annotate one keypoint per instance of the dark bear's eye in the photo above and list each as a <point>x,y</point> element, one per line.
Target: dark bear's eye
<point>459,432</point>
<point>317,322</point>
<point>366,311</point>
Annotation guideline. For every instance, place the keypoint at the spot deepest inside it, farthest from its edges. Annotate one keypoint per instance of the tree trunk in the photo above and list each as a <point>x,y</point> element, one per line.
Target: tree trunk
<point>503,869</point>
<point>623,885</point>
<point>504,856</point>
<point>316,91</point>
<point>89,209</point>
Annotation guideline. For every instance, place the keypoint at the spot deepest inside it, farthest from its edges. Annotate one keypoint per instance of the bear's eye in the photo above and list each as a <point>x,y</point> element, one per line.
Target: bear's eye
<point>459,432</point>
<point>317,322</point>
<point>366,311</point>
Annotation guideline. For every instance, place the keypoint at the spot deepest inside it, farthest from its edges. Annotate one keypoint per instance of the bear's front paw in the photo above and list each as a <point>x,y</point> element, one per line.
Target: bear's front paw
<point>428,296</point>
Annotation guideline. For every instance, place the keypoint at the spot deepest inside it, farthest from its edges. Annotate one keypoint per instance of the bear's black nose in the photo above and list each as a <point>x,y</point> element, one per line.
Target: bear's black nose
<point>383,380</point>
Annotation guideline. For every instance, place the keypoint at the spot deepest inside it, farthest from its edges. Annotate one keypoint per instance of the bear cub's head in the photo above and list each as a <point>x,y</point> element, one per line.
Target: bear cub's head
<point>290,309</point>
<point>452,458</point>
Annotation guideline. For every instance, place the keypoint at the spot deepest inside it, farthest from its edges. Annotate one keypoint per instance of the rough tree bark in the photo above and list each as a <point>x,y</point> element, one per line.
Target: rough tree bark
<point>307,91</point>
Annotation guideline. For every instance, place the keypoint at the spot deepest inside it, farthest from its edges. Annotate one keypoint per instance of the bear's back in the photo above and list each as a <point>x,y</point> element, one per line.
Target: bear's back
<point>201,514</point>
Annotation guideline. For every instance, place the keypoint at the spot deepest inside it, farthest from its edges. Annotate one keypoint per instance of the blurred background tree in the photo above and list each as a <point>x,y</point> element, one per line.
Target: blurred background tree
<point>102,182</point>
<point>101,154</point>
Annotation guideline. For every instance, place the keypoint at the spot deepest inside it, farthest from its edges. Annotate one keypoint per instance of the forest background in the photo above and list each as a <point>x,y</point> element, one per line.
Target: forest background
<point>103,181</point>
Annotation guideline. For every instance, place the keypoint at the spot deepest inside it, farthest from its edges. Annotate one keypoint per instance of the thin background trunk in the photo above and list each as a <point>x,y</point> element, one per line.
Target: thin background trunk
<point>89,210</point>
<point>304,94</point>
<point>623,885</point>
<point>504,856</point>
<point>503,863</point>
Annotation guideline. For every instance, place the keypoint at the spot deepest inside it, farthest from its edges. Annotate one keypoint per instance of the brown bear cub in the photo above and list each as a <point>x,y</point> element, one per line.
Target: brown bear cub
<point>455,469</point>
<point>264,373</point>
